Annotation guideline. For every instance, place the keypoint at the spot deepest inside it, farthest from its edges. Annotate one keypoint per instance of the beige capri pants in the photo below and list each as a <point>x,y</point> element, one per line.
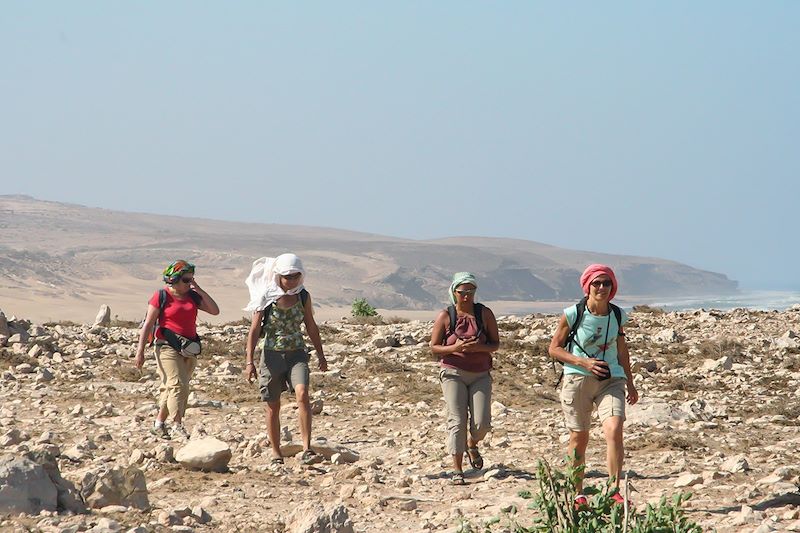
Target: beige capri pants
<point>468,396</point>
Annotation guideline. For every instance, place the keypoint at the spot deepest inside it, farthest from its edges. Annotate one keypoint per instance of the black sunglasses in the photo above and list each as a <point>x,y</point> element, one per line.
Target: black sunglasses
<point>602,283</point>
<point>187,280</point>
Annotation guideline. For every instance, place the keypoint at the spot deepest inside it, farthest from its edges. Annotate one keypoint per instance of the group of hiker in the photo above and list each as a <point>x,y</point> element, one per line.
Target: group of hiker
<point>589,341</point>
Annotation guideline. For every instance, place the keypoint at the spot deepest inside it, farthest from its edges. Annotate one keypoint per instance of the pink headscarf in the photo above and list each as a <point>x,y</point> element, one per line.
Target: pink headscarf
<point>591,272</point>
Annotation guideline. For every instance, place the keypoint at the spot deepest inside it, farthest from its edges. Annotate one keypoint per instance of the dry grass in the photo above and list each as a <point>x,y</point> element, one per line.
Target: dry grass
<point>661,442</point>
<point>366,320</point>
<point>128,324</point>
<point>648,310</point>
<point>10,358</point>
<point>510,326</point>
<point>714,349</point>
<point>215,346</point>
<point>65,323</point>
<point>395,320</point>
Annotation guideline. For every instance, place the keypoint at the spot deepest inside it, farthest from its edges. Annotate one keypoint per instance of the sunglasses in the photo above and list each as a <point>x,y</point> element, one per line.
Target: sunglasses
<point>464,292</point>
<point>602,283</point>
<point>187,280</point>
<point>291,276</point>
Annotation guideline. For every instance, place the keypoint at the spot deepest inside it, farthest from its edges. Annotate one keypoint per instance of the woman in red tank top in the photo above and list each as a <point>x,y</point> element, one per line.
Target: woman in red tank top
<point>179,315</point>
<point>465,351</point>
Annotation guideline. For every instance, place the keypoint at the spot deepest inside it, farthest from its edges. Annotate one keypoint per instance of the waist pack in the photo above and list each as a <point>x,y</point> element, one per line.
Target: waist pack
<point>183,345</point>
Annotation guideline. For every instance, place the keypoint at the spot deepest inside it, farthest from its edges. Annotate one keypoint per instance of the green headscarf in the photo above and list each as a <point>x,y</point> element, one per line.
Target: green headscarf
<point>461,278</point>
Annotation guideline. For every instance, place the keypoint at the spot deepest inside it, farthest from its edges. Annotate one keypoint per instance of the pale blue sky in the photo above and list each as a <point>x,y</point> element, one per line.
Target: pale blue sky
<point>665,129</point>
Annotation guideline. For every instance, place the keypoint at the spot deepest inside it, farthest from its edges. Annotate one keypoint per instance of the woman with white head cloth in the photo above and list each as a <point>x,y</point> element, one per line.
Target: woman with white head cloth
<point>463,338</point>
<point>280,303</point>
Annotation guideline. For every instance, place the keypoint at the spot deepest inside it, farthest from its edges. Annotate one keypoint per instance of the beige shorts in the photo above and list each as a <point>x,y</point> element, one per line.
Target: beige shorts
<point>581,393</point>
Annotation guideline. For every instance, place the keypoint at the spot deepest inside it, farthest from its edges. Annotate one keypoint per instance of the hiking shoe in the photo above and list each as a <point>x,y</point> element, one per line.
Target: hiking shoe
<point>618,499</point>
<point>581,502</point>
<point>179,432</point>
<point>161,432</point>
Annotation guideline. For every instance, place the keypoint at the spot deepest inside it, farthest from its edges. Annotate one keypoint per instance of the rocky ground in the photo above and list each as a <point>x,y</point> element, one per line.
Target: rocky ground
<point>719,414</point>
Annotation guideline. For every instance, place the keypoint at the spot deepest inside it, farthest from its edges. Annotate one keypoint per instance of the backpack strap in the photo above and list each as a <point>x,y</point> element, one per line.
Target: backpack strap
<point>162,303</point>
<point>477,309</point>
<point>617,314</point>
<point>580,307</point>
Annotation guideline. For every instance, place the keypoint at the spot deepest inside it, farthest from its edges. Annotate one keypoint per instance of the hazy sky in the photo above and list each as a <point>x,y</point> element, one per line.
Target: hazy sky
<point>665,129</point>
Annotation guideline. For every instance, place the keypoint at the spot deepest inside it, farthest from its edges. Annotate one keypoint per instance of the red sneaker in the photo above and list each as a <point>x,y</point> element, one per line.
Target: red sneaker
<point>618,499</point>
<point>581,502</point>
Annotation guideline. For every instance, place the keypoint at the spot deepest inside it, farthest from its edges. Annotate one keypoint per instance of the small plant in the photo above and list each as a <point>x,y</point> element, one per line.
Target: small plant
<point>554,504</point>
<point>362,308</point>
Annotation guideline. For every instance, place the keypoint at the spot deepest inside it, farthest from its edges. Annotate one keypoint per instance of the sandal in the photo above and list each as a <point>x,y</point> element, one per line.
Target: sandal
<point>475,459</point>
<point>457,478</point>
<point>276,461</point>
<point>310,457</point>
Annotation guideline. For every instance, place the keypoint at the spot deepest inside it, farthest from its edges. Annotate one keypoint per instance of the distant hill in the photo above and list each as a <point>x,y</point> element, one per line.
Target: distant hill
<point>65,254</point>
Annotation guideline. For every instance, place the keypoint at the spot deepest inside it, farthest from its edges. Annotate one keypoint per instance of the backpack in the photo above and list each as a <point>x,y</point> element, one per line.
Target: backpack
<point>477,309</point>
<point>162,303</point>
<point>268,311</point>
<point>581,309</point>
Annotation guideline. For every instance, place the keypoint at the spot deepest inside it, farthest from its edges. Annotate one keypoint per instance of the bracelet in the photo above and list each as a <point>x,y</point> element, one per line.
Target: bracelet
<point>250,363</point>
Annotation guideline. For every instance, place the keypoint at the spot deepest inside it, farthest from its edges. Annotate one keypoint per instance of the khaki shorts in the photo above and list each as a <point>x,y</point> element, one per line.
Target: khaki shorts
<point>581,393</point>
<point>280,371</point>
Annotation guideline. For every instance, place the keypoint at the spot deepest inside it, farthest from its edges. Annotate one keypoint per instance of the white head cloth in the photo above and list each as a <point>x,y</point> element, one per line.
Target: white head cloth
<point>264,283</point>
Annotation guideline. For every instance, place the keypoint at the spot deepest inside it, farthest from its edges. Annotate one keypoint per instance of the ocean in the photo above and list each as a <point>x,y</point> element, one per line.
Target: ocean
<point>761,300</point>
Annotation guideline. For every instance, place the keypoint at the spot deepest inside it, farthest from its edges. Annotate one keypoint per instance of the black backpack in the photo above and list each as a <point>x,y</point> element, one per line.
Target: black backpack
<point>268,311</point>
<point>581,308</point>
<point>477,309</point>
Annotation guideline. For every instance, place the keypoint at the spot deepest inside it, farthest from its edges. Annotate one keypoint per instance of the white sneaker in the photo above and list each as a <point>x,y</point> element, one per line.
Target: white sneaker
<point>179,432</point>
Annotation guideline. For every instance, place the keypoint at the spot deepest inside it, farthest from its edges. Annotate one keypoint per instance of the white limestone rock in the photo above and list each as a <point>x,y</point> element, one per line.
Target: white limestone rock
<point>208,454</point>
<point>115,486</point>
<point>312,517</point>
<point>25,487</point>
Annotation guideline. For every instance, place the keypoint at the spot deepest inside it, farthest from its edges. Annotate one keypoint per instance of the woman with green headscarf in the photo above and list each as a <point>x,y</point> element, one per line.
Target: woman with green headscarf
<point>172,311</point>
<point>463,338</point>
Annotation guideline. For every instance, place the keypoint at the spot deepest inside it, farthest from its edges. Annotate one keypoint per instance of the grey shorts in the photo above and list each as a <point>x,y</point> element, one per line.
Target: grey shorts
<point>280,371</point>
<point>580,394</point>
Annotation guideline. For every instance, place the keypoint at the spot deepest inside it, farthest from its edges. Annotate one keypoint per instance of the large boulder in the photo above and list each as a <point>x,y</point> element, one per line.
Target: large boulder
<point>4,331</point>
<point>208,454</point>
<point>25,487</point>
<point>115,486</point>
<point>312,517</point>
<point>103,317</point>
<point>324,448</point>
<point>69,499</point>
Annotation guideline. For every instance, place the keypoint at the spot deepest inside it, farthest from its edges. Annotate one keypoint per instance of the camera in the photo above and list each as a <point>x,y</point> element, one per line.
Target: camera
<point>607,374</point>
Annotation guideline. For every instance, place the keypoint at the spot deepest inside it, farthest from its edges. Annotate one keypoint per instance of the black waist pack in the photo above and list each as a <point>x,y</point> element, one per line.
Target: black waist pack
<point>183,345</point>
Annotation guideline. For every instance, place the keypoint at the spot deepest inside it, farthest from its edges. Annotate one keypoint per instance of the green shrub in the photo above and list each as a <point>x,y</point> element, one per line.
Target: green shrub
<point>362,308</point>
<point>555,507</point>
<point>555,503</point>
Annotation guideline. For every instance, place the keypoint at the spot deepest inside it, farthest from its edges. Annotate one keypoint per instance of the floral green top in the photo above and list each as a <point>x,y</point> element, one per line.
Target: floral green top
<point>283,331</point>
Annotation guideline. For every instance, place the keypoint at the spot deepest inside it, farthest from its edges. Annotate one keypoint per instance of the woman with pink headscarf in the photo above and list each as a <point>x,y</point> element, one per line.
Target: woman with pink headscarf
<point>597,370</point>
